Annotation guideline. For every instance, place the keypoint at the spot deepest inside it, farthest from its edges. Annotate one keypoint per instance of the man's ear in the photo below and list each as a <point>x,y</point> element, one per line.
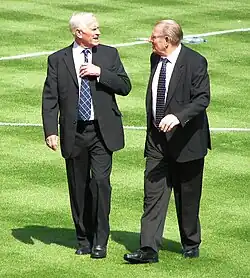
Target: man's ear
<point>78,33</point>
<point>166,41</point>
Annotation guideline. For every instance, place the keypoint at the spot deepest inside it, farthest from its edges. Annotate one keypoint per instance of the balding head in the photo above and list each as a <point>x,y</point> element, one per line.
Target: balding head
<point>165,37</point>
<point>171,30</point>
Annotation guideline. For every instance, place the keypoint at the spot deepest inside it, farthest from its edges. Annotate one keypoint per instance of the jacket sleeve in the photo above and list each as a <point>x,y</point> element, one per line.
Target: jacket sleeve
<point>199,95</point>
<point>116,78</point>
<point>50,106</point>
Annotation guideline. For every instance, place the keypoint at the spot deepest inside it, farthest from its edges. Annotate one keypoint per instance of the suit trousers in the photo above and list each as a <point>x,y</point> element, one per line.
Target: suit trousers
<point>88,172</point>
<point>162,174</point>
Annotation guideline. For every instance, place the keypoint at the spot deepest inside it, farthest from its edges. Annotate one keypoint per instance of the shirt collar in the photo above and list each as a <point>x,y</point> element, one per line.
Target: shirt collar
<point>174,55</point>
<point>78,49</point>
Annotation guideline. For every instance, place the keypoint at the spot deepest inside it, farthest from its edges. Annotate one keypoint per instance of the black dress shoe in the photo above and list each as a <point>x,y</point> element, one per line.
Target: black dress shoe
<point>193,253</point>
<point>142,256</point>
<point>83,250</point>
<point>99,252</point>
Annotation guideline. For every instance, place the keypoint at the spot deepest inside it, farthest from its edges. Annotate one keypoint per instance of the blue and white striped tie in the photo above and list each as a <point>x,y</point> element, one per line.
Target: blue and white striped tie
<point>84,105</point>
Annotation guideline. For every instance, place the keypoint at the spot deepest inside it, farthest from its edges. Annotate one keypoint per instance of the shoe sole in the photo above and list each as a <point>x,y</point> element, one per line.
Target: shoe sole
<point>82,254</point>
<point>97,257</point>
<point>135,261</point>
<point>190,257</point>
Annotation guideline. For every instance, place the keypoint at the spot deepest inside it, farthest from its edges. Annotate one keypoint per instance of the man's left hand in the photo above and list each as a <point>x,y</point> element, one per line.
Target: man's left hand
<point>90,70</point>
<point>168,123</point>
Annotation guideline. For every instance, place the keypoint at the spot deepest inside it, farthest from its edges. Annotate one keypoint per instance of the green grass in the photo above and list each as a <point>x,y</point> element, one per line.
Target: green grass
<point>37,230</point>
<point>37,236</point>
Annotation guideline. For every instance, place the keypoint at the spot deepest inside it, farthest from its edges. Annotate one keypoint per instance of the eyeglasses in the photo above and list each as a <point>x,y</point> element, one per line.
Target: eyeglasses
<point>156,37</point>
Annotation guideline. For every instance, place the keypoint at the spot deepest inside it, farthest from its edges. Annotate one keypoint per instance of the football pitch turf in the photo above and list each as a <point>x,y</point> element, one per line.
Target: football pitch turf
<point>36,232</point>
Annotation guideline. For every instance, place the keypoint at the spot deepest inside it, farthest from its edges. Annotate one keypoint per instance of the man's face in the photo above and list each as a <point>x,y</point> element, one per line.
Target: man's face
<point>89,36</point>
<point>158,40</point>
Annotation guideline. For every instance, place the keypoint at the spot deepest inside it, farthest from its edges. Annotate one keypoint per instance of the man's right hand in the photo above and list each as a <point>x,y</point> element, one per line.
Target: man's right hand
<point>51,142</point>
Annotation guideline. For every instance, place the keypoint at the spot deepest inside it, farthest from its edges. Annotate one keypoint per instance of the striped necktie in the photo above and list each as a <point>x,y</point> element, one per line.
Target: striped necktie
<point>161,93</point>
<point>84,105</point>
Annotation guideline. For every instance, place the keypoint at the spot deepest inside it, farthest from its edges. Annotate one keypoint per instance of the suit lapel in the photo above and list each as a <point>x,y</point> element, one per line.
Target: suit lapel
<point>69,61</point>
<point>154,67</point>
<point>176,75</point>
<point>96,60</point>
<point>96,55</point>
<point>149,90</point>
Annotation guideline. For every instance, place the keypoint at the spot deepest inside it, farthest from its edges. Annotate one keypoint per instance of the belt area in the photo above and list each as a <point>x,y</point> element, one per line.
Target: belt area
<point>84,123</point>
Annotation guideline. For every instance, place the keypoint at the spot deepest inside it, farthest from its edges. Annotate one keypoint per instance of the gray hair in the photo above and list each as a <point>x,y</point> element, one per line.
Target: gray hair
<point>78,20</point>
<point>172,30</point>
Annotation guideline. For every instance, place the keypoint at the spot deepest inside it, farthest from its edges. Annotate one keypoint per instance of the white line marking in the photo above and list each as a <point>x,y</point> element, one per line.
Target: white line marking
<point>26,55</point>
<point>18,124</point>
<point>228,129</point>
<point>36,54</point>
<point>218,33</point>
<point>141,41</point>
<point>218,129</point>
<point>207,34</point>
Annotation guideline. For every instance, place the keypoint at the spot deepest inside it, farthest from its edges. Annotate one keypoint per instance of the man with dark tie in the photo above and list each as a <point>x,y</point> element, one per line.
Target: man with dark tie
<point>176,142</point>
<point>82,82</point>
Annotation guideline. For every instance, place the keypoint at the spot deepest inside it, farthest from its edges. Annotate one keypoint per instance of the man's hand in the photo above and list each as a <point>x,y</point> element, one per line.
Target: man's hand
<point>51,142</point>
<point>90,70</point>
<point>168,122</point>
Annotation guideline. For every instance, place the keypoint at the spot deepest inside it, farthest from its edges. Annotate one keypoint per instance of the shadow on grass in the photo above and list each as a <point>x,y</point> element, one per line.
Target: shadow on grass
<point>66,237</point>
<point>131,241</point>
<point>47,235</point>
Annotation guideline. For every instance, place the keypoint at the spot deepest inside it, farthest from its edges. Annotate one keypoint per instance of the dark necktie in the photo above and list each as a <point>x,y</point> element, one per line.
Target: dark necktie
<point>161,92</point>
<point>84,107</point>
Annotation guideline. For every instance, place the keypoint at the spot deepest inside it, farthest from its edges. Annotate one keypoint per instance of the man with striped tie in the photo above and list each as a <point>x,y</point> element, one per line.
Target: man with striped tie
<point>82,82</point>
<point>176,143</point>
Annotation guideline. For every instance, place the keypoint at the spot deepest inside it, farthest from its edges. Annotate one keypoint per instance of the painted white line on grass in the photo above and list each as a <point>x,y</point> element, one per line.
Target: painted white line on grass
<point>18,124</point>
<point>229,129</point>
<point>141,41</point>
<point>21,56</point>
<point>36,54</point>
<point>218,129</point>
<point>218,33</point>
<point>207,34</point>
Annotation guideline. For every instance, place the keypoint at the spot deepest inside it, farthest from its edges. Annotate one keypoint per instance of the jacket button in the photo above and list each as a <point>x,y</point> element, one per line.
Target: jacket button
<point>74,122</point>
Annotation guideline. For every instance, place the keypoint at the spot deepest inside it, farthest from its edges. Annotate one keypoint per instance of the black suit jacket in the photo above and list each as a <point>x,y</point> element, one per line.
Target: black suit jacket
<point>61,92</point>
<point>187,98</point>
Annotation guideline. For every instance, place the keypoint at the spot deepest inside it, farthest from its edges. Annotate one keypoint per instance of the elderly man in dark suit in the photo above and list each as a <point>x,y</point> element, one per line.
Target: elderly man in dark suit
<point>176,143</point>
<point>81,84</point>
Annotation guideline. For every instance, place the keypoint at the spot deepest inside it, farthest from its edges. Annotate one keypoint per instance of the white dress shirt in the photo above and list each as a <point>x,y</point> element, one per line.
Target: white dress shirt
<point>78,57</point>
<point>169,70</point>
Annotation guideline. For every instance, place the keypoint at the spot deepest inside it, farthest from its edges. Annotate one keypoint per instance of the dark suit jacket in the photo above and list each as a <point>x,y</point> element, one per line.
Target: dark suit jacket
<point>188,97</point>
<point>60,94</point>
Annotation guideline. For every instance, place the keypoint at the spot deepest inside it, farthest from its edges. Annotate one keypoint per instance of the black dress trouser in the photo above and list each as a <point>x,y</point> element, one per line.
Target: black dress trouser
<point>162,174</point>
<point>88,172</point>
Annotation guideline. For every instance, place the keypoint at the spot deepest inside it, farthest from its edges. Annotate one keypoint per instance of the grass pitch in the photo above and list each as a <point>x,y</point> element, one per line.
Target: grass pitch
<point>37,235</point>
